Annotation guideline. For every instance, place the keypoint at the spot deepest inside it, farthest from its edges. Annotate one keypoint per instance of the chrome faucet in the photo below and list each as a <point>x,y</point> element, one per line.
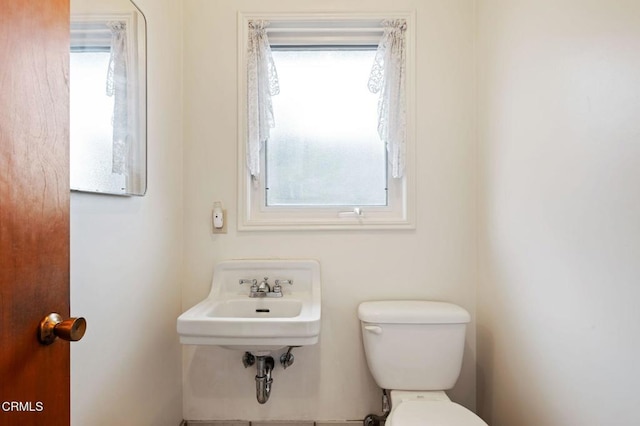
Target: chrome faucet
<point>264,289</point>
<point>264,286</point>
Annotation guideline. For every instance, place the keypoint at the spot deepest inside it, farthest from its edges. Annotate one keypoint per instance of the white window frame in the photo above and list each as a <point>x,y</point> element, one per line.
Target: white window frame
<point>253,214</point>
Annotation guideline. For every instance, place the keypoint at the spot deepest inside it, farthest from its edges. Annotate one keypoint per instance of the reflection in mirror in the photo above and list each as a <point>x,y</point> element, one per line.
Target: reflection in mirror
<point>108,97</point>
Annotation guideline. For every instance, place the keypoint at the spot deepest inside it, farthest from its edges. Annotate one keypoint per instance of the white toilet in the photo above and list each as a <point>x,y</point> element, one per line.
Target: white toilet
<point>414,350</point>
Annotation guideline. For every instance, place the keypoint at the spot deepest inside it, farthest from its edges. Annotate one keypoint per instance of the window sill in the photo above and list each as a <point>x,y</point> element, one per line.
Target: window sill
<point>323,225</point>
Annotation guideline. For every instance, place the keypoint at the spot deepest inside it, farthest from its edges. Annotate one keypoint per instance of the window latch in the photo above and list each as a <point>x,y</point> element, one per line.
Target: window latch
<point>355,213</point>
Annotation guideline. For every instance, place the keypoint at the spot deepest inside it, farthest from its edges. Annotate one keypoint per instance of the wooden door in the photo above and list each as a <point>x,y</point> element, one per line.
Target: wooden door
<point>34,209</point>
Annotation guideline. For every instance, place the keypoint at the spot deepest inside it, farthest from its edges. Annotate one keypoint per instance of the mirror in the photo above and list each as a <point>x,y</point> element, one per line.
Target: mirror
<point>108,131</point>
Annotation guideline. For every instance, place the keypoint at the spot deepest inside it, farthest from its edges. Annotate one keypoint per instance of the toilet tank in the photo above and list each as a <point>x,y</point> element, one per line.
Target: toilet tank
<point>413,345</point>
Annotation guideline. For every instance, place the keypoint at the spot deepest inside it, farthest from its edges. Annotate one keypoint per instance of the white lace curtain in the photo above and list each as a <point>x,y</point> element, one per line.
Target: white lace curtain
<point>262,83</point>
<point>117,86</point>
<point>388,79</point>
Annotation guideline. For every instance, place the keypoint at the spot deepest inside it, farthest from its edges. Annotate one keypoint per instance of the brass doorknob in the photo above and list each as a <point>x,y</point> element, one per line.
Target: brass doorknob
<point>53,326</point>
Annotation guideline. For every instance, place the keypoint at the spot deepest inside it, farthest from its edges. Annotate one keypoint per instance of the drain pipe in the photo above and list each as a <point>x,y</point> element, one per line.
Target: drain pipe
<point>264,366</point>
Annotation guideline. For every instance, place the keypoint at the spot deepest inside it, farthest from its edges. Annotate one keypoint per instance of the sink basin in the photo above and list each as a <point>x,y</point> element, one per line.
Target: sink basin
<point>228,317</point>
<point>256,308</point>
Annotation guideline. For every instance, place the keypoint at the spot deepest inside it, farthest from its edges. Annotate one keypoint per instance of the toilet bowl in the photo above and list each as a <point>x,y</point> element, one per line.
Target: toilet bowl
<point>414,350</point>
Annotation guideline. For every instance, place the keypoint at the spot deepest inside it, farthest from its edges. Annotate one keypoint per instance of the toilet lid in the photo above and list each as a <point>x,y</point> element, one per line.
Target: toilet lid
<point>432,413</point>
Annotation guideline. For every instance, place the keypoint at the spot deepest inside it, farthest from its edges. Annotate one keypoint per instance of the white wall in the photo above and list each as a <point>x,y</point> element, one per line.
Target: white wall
<point>436,261</point>
<point>558,88</point>
<point>126,264</point>
<point>559,129</point>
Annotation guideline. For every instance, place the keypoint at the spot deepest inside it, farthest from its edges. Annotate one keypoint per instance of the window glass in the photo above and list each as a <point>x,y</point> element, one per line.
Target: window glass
<point>325,149</point>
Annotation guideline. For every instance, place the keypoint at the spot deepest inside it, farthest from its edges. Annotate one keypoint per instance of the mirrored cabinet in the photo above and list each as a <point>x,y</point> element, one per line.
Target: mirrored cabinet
<point>108,129</point>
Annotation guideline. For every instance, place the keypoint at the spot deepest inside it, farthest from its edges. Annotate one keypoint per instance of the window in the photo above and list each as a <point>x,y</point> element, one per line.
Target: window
<point>325,152</point>
<point>323,165</point>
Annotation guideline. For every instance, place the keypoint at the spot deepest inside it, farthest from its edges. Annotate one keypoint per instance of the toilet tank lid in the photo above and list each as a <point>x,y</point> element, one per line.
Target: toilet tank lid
<point>412,312</point>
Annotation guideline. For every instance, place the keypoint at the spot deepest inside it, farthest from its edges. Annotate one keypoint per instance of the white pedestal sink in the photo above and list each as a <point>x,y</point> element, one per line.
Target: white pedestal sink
<point>230,318</point>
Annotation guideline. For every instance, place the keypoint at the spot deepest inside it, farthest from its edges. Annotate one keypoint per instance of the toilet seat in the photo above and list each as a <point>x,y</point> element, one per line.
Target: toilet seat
<point>432,413</point>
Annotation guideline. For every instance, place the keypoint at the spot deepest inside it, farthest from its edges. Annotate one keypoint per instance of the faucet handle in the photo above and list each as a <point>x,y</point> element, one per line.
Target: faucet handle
<point>254,286</point>
<point>277,287</point>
